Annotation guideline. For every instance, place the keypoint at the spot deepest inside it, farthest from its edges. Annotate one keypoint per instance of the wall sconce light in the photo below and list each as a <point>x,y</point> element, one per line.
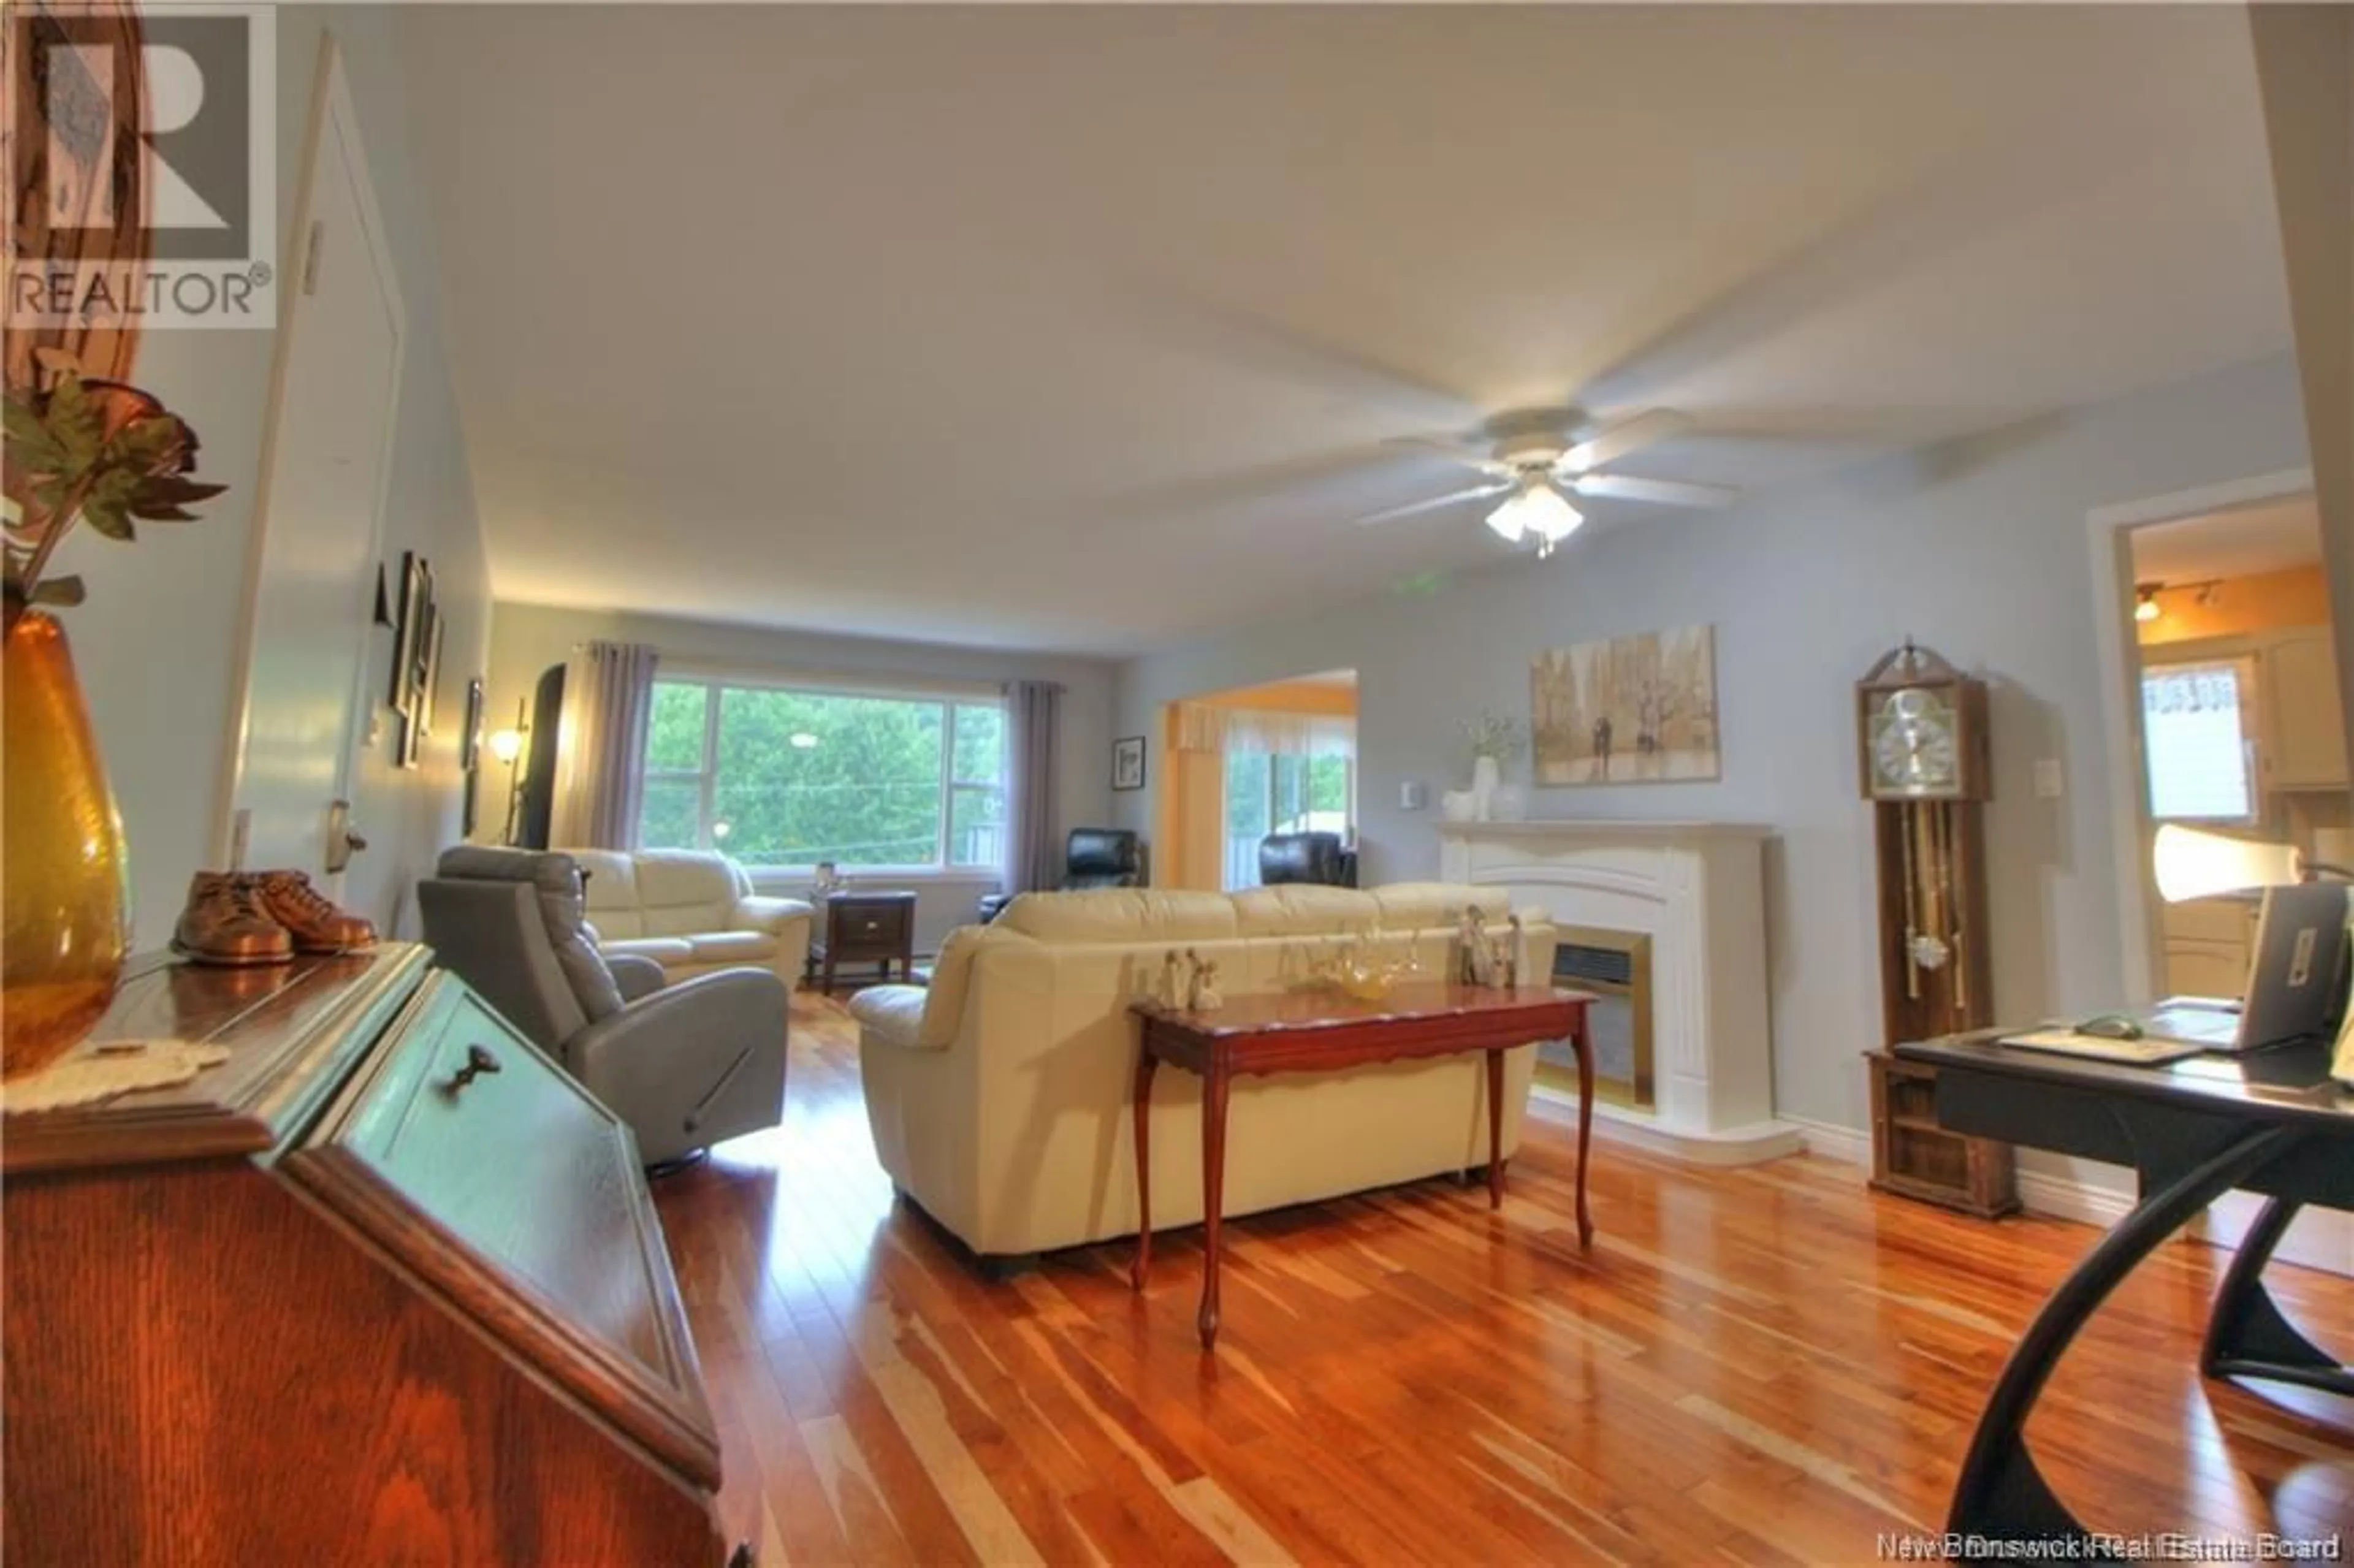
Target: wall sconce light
<point>2145,602</point>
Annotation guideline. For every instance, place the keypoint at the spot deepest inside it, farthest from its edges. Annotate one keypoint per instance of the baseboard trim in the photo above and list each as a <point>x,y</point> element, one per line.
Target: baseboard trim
<point>1847,1145</point>
<point>1738,1145</point>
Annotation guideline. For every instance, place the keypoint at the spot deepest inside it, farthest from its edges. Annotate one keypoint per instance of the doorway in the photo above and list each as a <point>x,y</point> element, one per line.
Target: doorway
<point>1246,761</point>
<point>319,515</point>
<point>2241,729</point>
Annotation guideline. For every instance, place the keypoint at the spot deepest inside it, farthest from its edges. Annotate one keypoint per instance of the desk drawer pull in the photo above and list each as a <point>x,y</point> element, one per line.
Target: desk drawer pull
<point>479,1061</point>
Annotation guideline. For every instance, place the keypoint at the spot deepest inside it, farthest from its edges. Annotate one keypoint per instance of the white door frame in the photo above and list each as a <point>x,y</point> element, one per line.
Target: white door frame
<point>331,100</point>
<point>2108,528</point>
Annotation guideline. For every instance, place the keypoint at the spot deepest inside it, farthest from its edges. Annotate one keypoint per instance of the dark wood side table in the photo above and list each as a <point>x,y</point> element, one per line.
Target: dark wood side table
<point>1321,1032</point>
<point>865,927</point>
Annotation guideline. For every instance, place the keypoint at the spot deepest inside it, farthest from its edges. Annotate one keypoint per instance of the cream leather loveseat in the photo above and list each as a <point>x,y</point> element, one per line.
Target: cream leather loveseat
<point>692,912</point>
<point>999,1097</point>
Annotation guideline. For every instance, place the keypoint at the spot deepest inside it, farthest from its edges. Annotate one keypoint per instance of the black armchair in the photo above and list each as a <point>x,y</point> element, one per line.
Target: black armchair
<point>1094,857</point>
<point>1306,857</point>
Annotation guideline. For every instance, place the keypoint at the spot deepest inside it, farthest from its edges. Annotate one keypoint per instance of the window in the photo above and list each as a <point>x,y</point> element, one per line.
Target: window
<point>783,777</point>
<point>2196,736</point>
<point>1283,792</point>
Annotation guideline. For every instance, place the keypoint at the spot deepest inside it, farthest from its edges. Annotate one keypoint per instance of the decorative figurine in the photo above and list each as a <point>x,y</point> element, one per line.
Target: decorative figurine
<point>1172,982</point>
<point>1202,991</point>
<point>1508,953</point>
<point>1476,957</point>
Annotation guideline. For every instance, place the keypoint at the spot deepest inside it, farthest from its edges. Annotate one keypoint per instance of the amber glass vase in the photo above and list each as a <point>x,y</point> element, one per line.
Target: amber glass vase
<point>61,872</point>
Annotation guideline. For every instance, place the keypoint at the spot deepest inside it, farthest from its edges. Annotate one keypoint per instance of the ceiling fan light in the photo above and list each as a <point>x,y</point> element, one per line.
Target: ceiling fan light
<point>1536,509</point>
<point>1549,516</point>
<point>1507,521</point>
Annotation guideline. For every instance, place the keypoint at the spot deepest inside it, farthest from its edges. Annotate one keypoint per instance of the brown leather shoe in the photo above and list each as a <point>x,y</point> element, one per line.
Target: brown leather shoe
<point>224,923</point>
<point>316,924</point>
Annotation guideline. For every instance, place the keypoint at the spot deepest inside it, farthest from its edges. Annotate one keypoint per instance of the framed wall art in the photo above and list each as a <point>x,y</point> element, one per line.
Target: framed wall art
<point>1628,710</point>
<point>1127,762</point>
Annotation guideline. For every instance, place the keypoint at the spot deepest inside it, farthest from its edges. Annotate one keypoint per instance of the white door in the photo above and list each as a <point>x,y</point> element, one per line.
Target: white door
<point>313,590</point>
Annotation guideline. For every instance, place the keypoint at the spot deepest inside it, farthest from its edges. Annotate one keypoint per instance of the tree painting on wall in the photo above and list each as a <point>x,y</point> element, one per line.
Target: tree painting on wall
<point>1630,710</point>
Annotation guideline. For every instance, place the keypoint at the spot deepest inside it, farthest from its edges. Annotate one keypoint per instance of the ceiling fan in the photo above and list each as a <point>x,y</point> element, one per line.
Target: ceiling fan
<point>1536,464</point>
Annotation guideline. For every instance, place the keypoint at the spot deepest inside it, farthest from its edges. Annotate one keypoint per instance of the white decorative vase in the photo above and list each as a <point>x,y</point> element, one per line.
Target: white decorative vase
<point>1483,786</point>
<point>1508,803</point>
<point>1458,806</point>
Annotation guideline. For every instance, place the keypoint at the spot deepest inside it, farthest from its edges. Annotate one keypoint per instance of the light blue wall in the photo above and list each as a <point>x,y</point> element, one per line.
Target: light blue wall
<point>1978,550</point>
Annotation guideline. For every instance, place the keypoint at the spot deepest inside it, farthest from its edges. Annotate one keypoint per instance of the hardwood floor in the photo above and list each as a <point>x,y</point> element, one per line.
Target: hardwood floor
<point>1769,1365</point>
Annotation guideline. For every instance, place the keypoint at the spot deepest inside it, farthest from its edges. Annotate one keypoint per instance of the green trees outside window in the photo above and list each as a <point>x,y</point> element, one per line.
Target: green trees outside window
<point>1281,792</point>
<point>779,777</point>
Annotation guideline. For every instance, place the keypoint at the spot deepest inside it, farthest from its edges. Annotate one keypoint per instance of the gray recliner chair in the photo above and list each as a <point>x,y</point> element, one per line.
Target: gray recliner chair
<point>685,1066</point>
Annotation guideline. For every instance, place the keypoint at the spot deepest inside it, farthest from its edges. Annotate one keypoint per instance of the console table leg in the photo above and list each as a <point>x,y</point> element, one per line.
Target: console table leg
<point>2248,1335</point>
<point>1496,1129</point>
<point>1214,1195</point>
<point>1140,1102</point>
<point>1585,1047</point>
<point>2001,1494</point>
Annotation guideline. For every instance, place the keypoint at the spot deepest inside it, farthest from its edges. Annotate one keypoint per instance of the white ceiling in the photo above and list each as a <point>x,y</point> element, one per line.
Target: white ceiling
<point>1079,328</point>
<point>2240,543</point>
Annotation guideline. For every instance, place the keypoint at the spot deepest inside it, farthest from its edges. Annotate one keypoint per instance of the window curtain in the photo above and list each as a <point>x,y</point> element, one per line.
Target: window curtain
<point>601,747</point>
<point>1290,734</point>
<point>1033,805</point>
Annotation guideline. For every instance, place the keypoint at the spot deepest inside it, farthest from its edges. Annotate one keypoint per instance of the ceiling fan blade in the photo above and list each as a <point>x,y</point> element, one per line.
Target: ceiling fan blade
<point>1411,507</point>
<point>1665,492</point>
<point>1626,436</point>
<point>1455,452</point>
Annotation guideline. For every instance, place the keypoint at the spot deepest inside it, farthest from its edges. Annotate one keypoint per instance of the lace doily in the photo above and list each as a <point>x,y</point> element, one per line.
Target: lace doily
<point>94,1073</point>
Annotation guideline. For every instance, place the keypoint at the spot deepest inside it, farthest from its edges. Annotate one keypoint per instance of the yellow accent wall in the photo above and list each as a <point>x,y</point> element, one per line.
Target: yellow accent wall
<point>2264,602</point>
<point>1191,819</point>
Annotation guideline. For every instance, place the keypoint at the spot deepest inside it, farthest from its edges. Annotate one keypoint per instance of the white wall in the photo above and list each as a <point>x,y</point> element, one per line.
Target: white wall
<point>526,639</point>
<point>1976,549</point>
<point>158,642</point>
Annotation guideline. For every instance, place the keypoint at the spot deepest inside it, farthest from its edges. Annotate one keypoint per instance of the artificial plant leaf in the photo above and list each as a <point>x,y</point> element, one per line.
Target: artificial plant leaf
<point>152,445</point>
<point>172,490</point>
<point>29,441</point>
<point>155,511</point>
<point>111,518</point>
<point>59,591</point>
<point>76,423</point>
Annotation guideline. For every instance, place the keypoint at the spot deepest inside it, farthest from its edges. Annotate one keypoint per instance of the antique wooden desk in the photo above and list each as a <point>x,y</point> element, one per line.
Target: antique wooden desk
<point>864,927</point>
<point>384,1286</point>
<point>1323,1031</point>
<point>2270,1122</point>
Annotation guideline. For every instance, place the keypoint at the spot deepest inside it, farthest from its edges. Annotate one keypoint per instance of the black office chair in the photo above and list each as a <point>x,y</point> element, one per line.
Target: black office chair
<point>1094,857</point>
<point>1306,857</point>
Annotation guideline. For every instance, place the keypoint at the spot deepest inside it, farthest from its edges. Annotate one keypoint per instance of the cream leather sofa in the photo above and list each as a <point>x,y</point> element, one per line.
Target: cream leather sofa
<point>692,912</point>
<point>999,1097</point>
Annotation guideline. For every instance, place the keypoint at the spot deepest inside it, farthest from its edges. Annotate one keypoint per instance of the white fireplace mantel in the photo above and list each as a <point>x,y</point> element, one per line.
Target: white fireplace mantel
<point>1697,890</point>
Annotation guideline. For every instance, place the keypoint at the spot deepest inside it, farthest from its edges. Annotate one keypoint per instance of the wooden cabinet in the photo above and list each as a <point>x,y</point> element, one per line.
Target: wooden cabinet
<point>384,1286</point>
<point>2305,728</point>
<point>865,927</point>
<point>2209,942</point>
<point>1914,1157</point>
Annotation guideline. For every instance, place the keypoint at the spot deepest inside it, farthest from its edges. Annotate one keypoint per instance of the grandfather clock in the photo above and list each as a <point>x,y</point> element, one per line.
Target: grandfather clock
<point>1924,764</point>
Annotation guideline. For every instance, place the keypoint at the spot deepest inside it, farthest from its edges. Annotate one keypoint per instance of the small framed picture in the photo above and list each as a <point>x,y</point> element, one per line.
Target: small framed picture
<point>1127,762</point>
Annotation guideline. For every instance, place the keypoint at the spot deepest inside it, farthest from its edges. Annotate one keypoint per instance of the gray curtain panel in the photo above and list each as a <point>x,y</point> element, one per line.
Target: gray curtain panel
<point>1034,804</point>
<point>600,751</point>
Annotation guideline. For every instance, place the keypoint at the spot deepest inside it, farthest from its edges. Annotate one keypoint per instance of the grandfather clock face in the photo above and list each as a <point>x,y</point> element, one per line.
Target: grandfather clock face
<point>1914,744</point>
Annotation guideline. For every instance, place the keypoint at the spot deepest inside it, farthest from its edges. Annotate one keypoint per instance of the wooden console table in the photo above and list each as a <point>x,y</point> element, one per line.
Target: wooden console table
<point>1322,1031</point>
